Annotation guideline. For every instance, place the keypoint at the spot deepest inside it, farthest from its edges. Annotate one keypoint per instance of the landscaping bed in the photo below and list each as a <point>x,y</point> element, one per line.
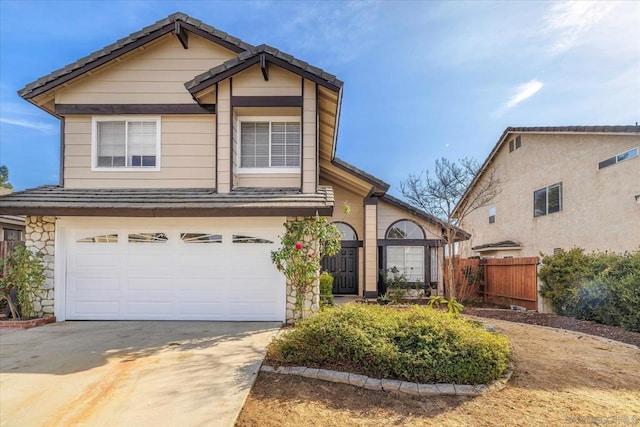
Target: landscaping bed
<point>560,378</point>
<point>413,344</point>
<point>560,322</point>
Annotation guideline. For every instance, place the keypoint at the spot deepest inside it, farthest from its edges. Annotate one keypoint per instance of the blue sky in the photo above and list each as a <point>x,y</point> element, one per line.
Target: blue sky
<point>423,80</point>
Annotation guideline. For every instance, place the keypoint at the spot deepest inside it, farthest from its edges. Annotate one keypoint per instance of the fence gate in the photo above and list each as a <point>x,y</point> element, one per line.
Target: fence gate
<point>511,281</point>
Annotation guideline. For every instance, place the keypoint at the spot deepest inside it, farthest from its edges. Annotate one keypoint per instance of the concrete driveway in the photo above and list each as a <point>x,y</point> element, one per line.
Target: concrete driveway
<point>130,373</point>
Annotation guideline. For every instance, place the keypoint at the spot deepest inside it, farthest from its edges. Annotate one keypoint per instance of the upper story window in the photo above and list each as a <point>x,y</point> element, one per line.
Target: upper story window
<point>405,229</point>
<point>547,200</point>
<point>619,158</point>
<point>492,215</point>
<point>121,143</point>
<point>269,144</point>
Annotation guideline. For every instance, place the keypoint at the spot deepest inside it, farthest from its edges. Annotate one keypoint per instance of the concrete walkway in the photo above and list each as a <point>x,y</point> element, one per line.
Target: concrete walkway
<point>130,373</point>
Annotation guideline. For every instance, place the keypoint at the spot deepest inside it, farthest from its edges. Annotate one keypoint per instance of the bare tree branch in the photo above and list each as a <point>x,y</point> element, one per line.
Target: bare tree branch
<point>441,193</point>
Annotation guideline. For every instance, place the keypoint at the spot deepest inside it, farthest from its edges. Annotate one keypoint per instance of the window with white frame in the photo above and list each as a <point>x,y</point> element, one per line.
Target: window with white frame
<point>547,200</point>
<point>269,144</point>
<point>126,143</point>
<point>492,214</point>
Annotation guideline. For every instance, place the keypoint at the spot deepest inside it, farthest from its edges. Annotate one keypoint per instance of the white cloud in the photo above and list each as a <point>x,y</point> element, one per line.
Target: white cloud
<point>524,91</point>
<point>567,22</point>
<point>29,124</point>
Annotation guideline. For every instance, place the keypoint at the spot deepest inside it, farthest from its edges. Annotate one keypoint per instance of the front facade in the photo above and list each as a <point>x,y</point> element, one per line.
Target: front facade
<point>561,187</point>
<point>183,152</point>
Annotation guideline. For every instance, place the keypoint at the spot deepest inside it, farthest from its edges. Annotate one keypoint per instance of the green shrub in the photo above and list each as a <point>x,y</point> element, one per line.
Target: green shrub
<point>24,273</point>
<point>326,289</point>
<point>601,286</point>
<point>417,344</point>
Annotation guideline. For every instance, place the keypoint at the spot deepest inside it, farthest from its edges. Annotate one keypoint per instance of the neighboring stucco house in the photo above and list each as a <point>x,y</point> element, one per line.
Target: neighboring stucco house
<point>184,150</point>
<point>561,187</point>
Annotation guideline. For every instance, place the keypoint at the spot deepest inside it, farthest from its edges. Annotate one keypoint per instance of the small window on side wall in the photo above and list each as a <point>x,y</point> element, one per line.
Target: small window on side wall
<point>492,215</point>
<point>630,154</point>
<point>547,200</point>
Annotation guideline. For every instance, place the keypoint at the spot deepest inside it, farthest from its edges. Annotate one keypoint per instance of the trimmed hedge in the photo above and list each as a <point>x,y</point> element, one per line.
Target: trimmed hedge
<point>601,286</point>
<point>418,344</point>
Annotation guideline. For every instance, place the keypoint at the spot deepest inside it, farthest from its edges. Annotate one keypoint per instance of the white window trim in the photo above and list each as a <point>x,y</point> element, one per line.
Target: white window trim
<point>270,170</point>
<point>131,118</point>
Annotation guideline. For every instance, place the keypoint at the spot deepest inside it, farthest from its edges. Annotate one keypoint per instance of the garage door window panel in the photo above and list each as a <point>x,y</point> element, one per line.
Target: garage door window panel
<point>148,238</point>
<point>102,238</point>
<point>200,238</point>
<point>239,238</point>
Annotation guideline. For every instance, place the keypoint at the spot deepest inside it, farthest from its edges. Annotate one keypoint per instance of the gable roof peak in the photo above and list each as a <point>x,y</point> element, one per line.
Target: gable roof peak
<point>128,43</point>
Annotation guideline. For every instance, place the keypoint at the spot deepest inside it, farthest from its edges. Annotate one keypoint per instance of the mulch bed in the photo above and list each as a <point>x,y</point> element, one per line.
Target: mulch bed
<point>559,322</point>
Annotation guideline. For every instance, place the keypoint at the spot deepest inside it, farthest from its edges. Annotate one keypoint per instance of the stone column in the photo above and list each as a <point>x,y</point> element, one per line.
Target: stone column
<point>40,238</point>
<point>311,302</point>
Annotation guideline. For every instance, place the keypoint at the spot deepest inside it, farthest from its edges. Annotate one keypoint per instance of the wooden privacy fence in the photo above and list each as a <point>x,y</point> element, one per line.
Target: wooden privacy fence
<point>506,281</point>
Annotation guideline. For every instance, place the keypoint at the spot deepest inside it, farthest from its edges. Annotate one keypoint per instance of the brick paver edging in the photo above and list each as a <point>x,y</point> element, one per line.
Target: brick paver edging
<point>415,389</point>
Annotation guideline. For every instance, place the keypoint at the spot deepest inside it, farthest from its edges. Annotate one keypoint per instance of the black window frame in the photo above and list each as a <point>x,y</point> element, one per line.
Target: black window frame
<point>545,191</point>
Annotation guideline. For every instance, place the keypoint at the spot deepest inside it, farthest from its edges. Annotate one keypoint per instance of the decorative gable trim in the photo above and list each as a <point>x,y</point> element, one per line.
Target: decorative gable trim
<point>262,55</point>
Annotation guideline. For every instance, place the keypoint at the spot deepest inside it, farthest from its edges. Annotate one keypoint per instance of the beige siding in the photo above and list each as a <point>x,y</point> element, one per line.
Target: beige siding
<point>152,76</point>
<point>269,180</point>
<point>187,156</point>
<point>309,157</point>
<point>234,154</point>
<point>388,214</point>
<point>224,137</point>
<point>599,207</point>
<point>250,82</point>
<point>355,219</point>
<point>370,249</point>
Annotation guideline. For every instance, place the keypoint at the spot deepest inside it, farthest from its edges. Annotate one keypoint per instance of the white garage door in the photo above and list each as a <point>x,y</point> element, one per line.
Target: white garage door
<point>179,269</point>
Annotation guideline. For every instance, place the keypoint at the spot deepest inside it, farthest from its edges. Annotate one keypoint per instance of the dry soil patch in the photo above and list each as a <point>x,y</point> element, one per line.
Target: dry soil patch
<point>560,378</point>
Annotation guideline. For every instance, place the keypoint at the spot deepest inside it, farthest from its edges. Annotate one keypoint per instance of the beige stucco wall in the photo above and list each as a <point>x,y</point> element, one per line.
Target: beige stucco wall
<point>154,75</point>
<point>187,156</point>
<point>599,207</point>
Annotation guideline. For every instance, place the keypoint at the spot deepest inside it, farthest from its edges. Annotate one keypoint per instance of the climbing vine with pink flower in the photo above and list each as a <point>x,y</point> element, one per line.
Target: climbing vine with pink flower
<point>303,245</point>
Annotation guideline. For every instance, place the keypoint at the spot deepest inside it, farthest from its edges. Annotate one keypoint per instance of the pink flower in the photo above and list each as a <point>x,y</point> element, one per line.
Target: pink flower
<point>298,246</point>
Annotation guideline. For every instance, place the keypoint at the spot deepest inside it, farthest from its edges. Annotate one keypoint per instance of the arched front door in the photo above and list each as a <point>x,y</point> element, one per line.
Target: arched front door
<point>344,265</point>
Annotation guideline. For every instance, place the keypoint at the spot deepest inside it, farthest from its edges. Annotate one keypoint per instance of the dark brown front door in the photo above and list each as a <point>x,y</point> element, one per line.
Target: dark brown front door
<point>344,268</point>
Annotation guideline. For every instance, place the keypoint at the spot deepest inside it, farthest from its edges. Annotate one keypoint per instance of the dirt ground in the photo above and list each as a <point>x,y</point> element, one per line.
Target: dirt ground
<point>560,378</point>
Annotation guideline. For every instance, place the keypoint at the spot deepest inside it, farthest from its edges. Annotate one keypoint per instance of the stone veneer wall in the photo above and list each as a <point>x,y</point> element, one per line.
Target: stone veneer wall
<point>311,302</point>
<point>40,238</point>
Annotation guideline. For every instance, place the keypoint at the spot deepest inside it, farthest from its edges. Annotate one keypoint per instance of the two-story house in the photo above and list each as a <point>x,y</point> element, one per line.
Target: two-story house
<point>561,187</point>
<point>183,152</point>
